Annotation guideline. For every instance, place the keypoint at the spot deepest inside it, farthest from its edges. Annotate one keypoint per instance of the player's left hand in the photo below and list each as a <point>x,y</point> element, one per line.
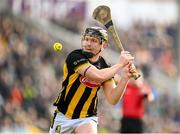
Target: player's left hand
<point>129,69</point>
<point>132,68</point>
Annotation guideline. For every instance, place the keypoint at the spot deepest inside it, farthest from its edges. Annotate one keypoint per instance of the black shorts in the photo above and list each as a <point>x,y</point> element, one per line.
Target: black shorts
<point>130,125</point>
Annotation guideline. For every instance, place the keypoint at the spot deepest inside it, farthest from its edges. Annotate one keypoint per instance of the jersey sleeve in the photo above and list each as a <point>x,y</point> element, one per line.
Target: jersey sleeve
<point>111,80</point>
<point>76,60</point>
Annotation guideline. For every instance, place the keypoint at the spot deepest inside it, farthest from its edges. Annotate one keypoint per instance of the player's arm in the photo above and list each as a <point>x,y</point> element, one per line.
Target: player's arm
<point>78,63</point>
<point>99,75</point>
<point>114,90</point>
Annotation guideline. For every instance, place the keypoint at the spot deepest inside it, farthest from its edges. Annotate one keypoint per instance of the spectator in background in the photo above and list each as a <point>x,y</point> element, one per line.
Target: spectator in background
<point>133,105</point>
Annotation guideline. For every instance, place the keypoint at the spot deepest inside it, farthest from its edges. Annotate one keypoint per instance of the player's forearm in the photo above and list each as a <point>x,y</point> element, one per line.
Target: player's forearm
<point>108,73</point>
<point>118,91</point>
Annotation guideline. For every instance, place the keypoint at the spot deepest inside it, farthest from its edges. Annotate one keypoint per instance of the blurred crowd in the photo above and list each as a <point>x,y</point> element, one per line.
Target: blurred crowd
<point>153,45</point>
<point>31,74</point>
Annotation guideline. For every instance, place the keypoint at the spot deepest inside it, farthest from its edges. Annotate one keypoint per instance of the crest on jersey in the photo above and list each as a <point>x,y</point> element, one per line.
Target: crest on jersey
<point>58,129</point>
<point>89,83</point>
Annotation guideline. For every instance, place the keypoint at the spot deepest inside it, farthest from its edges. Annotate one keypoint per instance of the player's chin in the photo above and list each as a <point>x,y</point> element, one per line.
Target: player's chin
<point>87,50</point>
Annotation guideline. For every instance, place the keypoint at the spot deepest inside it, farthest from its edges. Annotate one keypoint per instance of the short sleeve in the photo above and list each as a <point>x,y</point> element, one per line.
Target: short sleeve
<point>110,80</point>
<point>75,60</point>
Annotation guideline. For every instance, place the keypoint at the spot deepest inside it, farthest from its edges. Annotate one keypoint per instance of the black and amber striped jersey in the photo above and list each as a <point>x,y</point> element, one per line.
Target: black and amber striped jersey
<point>78,98</point>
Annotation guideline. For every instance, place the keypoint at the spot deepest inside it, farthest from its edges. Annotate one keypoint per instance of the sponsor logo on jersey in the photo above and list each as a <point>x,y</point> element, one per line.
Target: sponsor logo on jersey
<point>89,83</point>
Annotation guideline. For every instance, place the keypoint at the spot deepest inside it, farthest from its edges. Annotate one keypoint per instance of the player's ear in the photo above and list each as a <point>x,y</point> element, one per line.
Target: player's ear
<point>105,45</point>
<point>82,37</point>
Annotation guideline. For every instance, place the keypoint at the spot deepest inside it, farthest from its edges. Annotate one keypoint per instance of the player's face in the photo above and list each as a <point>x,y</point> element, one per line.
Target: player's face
<point>91,44</point>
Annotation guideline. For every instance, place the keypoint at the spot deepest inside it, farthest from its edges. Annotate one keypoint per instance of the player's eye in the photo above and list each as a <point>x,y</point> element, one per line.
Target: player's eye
<point>91,39</point>
<point>94,40</point>
<point>86,39</point>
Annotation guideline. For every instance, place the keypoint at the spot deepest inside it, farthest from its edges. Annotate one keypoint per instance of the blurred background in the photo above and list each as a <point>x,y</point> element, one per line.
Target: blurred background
<point>31,72</point>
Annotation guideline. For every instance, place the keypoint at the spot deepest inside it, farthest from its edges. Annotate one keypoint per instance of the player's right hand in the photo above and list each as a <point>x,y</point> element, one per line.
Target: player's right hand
<point>125,57</point>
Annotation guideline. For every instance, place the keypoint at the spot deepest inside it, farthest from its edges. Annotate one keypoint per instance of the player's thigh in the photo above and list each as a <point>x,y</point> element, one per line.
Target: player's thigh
<point>61,124</point>
<point>86,128</point>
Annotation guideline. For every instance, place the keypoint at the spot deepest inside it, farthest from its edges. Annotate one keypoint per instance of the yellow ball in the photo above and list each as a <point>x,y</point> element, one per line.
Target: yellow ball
<point>57,46</point>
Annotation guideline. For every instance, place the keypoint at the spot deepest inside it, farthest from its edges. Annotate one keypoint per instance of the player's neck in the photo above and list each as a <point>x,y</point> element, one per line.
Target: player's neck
<point>95,58</point>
